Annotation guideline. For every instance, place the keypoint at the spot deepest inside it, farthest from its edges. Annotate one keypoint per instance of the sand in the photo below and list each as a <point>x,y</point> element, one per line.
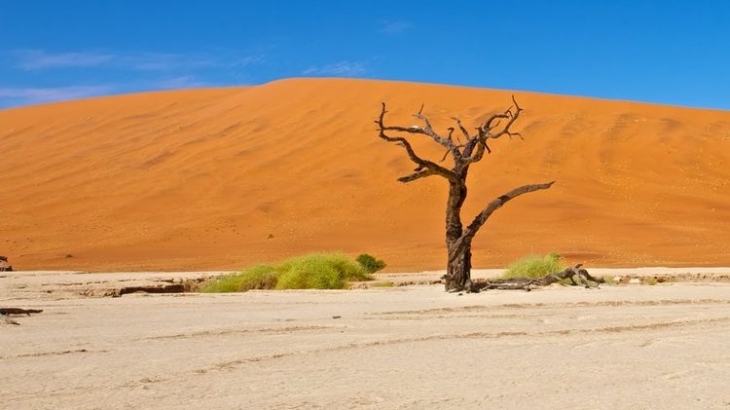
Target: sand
<point>169,183</point>
<point>413,347</point>
<point>217,179</point>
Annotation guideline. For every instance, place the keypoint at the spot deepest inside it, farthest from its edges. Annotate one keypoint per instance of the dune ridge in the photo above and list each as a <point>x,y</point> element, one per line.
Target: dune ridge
<point>212,179</point>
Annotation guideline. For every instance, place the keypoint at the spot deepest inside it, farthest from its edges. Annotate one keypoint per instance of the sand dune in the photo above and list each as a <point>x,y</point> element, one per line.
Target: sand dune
<point>222,178</point>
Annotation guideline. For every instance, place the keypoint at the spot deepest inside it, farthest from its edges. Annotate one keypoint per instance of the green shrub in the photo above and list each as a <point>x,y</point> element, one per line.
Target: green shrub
<point>534,267</point>
<point>314,271</point>
<point>317,271</point>
<point>256,277</point>
<point>370,264</point>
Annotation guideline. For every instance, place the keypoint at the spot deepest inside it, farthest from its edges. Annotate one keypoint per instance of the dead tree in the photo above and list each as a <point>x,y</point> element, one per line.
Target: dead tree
<point>463,153</point>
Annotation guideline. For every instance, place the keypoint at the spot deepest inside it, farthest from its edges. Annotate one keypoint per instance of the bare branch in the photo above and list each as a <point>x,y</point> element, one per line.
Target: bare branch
<point>461,127</point>
<point>422,163</point>
<point>511,115</point>
<point>481,146</point>
<point>497,203</point>
<point>482,217</point>
<point>414,129</point>
<point>489,151</point>
<point>446,154</point>
<point>451,133</point>
<point>475,152</point>
<point>418,174</point>
<point>428,130</point>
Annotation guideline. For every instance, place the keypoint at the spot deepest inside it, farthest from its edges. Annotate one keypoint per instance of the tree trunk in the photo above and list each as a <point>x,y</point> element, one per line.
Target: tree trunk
<point>458,271</point>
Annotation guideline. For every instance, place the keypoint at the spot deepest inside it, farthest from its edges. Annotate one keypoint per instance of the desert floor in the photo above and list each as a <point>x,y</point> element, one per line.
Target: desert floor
<point>406,347</point>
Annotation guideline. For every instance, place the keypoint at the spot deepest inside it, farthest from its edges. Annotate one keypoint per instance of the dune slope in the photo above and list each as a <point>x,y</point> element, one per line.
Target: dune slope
<point>223,178</point>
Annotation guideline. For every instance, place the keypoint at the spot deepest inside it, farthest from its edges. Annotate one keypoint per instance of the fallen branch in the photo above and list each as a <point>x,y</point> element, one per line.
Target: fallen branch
<point>18,311</point>
<point>6,312</point>
<point>527,284</point>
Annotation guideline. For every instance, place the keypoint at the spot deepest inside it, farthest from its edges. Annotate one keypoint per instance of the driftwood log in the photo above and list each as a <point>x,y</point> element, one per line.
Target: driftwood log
<point>6,312</point>
<point>574,273</point>
<point>18,311</point>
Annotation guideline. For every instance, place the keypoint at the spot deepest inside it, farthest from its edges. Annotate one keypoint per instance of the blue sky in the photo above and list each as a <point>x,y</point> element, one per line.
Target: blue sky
<point>669,52</point>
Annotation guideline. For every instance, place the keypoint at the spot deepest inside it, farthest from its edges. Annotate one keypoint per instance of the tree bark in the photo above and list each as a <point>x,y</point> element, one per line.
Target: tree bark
<point>458,265</point>
<point>458,271</point>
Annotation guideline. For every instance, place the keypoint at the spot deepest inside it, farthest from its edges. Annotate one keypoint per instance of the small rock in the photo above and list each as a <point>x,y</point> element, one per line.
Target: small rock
<point>634,281</point>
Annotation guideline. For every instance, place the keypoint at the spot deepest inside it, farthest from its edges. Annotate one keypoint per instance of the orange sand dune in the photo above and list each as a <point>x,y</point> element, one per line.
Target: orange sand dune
<point>223,178</point>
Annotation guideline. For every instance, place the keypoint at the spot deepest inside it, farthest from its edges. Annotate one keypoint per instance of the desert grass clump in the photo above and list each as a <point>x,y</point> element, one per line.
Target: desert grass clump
<point>320,271</point>
<point>534,267</point>
<point>256,277</point>
<point>313,271</point>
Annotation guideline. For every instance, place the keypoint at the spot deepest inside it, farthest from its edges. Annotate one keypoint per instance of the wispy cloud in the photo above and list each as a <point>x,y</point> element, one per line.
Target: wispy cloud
<point>126,72</point>
<point>31,60</point>
<point>39,59</point>
<point>393,27</point>
<point>341,69</point>
<point>164,62</point>
<point>30,95</point>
